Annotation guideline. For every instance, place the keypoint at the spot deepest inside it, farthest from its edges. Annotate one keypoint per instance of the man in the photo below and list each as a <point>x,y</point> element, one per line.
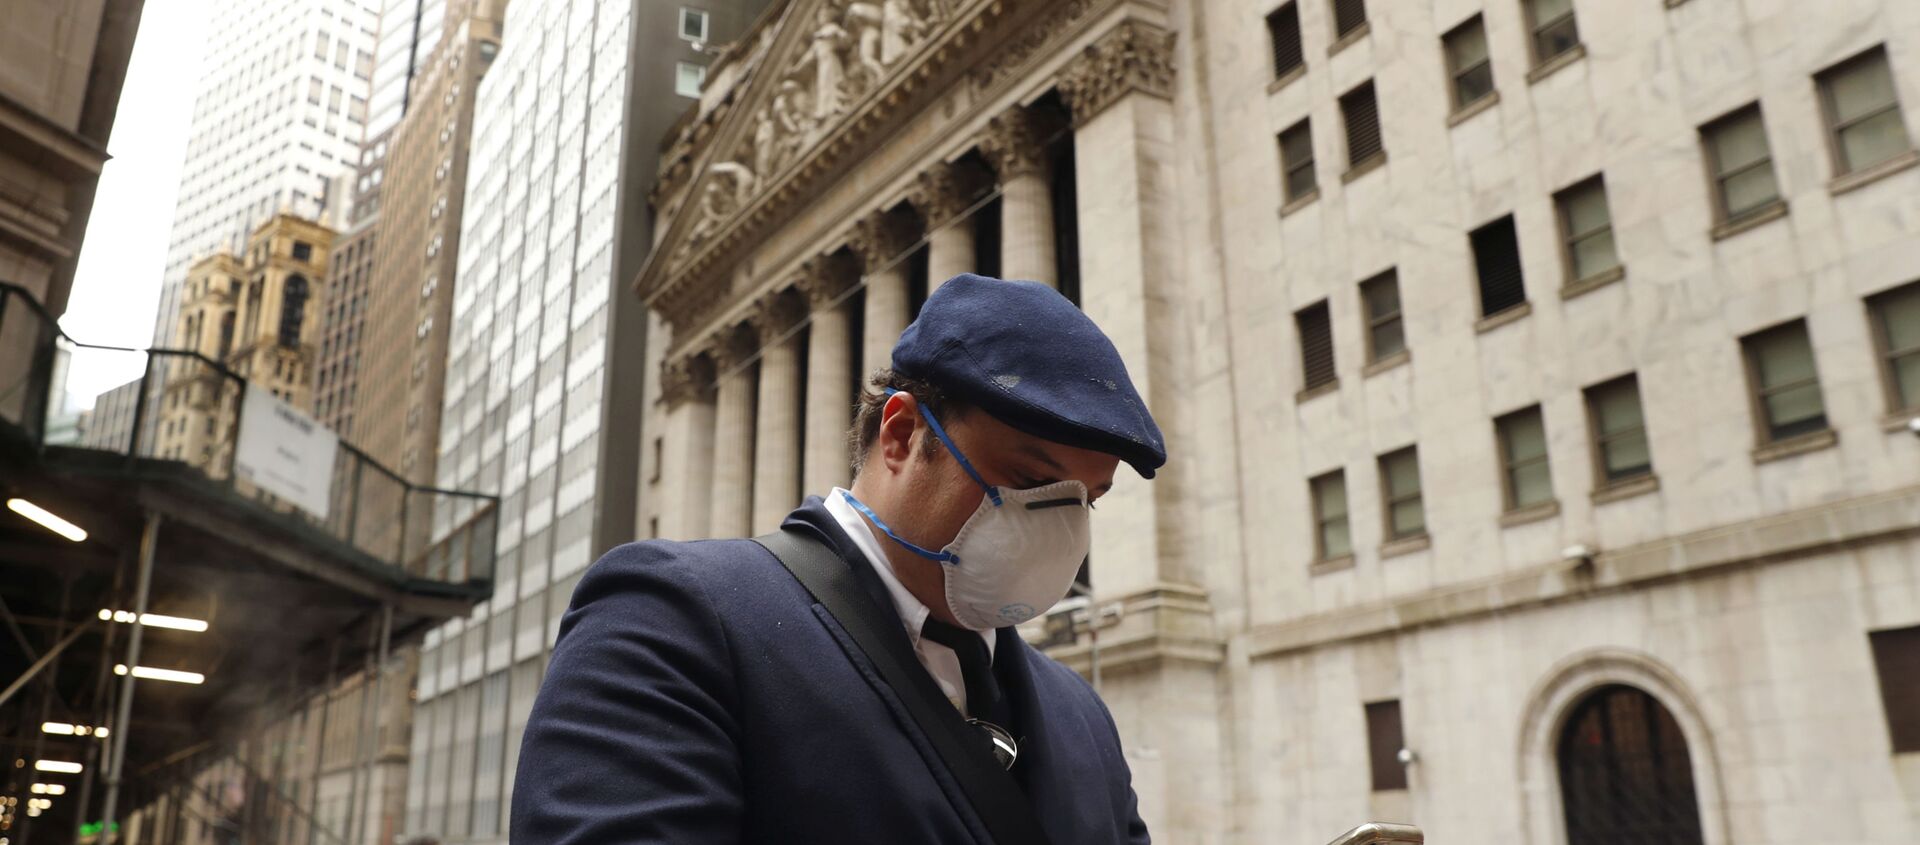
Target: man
<point>699,694</point>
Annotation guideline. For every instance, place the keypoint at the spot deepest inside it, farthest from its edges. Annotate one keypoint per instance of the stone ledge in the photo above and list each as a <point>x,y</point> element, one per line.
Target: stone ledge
<point>1330,564</point>
<point>1351,38</point>
<point>1406,545</point>
<point>1384,364</point>
<point>1548,67</point>
<point>1494,321</point>
<point>1167,622</point>
<point>1285,79</point>
<point>1364,167</point>
<point>1901,421</point>
<point>1531,513</point>
<point>1593,282</point>
<point>1855,522</point>
<point>1626,489</point>
<point>1765,214</point>
<point>1316,391</point>
<point>1467,112</point>
<point>1800,445</point>
<point>1301,201</point>
<point>1869,175</point>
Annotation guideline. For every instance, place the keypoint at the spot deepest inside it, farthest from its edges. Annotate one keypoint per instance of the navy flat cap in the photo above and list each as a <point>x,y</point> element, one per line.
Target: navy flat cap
<point>1026,355</point>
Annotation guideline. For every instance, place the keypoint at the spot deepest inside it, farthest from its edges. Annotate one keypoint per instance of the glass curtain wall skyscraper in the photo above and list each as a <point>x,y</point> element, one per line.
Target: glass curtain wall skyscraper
<point>523,392</point>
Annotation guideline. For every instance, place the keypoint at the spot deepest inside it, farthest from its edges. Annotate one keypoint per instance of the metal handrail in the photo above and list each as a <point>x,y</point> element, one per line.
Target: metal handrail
<point>36,383</point>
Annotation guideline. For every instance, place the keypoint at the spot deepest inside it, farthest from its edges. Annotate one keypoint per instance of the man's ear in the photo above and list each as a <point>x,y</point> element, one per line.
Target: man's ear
<point>899,422</point>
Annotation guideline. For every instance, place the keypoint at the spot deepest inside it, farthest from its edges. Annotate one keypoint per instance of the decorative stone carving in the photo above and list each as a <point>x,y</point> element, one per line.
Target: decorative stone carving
<point>1015,144</point>
<point>1011,57</point>
<point>1134,56</point>
<point>775,315</point>
<point>686,378</point>
<point>942,192</point>
<point>878,239</point>
<point>825,278</point>
<point>729,347</point>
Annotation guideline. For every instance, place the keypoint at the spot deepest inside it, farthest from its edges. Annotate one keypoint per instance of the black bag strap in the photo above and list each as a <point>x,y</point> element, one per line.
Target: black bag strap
<point>991,790</point>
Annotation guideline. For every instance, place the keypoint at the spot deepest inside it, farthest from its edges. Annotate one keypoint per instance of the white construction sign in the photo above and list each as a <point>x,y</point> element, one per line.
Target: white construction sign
<point>285,452</point>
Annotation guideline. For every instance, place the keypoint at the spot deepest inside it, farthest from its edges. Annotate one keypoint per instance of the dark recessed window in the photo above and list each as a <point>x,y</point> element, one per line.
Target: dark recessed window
<point>1525,473</point>
<point>1554,29</point>
<point>1467,61</point>
<point>1348,15</point>
<point>1385,738</point>
<point>1863,112</point>
<point>1496,259</point>
<point>1386,335</point>
<point>1896,320</point>
<point>1786,385</point>
<point>1330,516</point>
<point>1741,163</point>
<point>1619,431</point>
<point>1362,114</point>
<point>1400,494</point>
<point>1296,158</point>
<point>1586,226</point>
<point>1316,346</point>
<point>1283,25</point>
<point>1896,658</point>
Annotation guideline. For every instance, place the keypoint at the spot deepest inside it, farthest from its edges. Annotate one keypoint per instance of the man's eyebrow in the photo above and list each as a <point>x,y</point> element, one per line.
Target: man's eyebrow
<point>1039,454</point>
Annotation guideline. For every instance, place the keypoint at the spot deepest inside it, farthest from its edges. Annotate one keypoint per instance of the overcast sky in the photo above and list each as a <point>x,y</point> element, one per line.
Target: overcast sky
<point>117,285</point>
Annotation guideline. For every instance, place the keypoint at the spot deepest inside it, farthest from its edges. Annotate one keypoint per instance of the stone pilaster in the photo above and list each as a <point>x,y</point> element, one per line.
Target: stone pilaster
<point>686,455</point>
<point>879,240</point>
<point>776,448</point>
<point>1135,57</point>
<point>830,389</point>
<point>940,194</point>
<point>730,513</point>
<point>1015,143</point>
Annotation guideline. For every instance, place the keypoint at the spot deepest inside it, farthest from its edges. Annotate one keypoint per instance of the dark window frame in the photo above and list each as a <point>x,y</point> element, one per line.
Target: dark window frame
<point>1289,167</point>
<point>1319,366</point>
<point>1889,358</point>
<point>1509,467</point>
<point>1896,657</point>
<point>1837,152</point>
<point>1386,736</point>
<point>1320,519</point>
<point>1570,240</point>
<point>1342,29</point>
<point>1389,278</point>
<point>1283,22</point>
<point>1766,433</point>
<point>1538,29</point>
<point>1600,439</point>
<point>1455,73</point>
<point>1391,499</point>
<point>1365,93</point>
<point>1482,260</point>
<point>1718,177</point>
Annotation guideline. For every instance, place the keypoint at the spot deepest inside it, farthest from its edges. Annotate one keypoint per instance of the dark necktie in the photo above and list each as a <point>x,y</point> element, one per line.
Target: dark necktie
<point>976,667</point>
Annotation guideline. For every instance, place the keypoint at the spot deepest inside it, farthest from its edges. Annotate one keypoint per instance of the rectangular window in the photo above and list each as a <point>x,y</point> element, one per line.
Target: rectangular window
<point>1296,158</point>
<point>1400,494</point>
<point>1386,335</point>
<point>1741,163</point>
<point>1316,346</point>
<point>1385,738</point>
<point>357,109</point>
<point>1554,30</point>
<point>687,79</point>
<point>321,43</point>
<point>1527,479</point>
<point>693,24</point>
<point>1496,260</point>
<point>1786,385</point>
<point>1619,431</point>
<point>1467,62</point>
<point>1348,15</point>
<point>1283,25</point>
<point>1362,114</point>
<point>1330,515</point>
<point>314,89</point>
<point>1586,227</point>
<point>659,450</point>
<point>1896,659</point>
<point>1896,321</point>
<point>1863,113</point>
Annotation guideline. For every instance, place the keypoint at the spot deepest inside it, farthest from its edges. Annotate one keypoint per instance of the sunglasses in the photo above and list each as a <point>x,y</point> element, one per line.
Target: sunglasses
<point>1005,749</point>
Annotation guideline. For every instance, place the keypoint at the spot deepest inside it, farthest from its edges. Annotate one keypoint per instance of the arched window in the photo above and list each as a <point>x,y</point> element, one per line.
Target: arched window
<point>293,311</point>
<point>1625,774</point>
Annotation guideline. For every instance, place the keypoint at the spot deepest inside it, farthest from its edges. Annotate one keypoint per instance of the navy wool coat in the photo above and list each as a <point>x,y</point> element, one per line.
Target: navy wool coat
<point>698,694</point>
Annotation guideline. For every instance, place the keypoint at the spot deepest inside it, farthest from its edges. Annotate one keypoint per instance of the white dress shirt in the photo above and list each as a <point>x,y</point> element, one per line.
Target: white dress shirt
<point>940,661</point>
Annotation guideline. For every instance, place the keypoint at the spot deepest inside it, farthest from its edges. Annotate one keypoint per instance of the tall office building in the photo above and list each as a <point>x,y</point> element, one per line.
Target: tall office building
<point>409,30</point>
<point>1538,380</point>
<point>529,378</point>
<point>280,116</point>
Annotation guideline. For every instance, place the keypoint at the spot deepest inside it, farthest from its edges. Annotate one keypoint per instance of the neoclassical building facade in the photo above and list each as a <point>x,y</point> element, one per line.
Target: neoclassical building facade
<point>1632,291</point>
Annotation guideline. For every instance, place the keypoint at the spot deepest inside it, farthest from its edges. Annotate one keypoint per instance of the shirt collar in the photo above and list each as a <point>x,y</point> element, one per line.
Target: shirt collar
<point>913,613</point>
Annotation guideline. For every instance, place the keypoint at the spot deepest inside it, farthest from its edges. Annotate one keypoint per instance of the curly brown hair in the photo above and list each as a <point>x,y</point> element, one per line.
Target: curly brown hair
<point>866,412</point>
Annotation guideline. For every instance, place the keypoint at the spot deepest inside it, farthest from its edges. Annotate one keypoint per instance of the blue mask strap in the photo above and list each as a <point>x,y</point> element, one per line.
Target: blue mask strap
<point>943,557</point>
<point>992,491</point>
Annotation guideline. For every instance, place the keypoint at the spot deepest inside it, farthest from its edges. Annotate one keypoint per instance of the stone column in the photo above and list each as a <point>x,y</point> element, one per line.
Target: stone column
<point>776,448</point>
<point>686,459</point>
<point>824,462</point>
<point>879,241</point>
<point>1015,144</point>
<point>730,513</point>
<point>940,194</point>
